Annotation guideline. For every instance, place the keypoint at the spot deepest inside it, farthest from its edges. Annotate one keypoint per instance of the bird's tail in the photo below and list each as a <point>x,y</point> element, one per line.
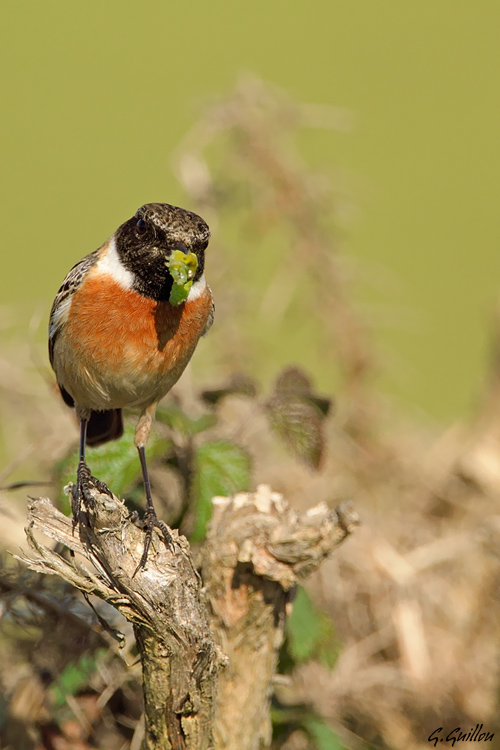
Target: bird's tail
<point>103,426</point>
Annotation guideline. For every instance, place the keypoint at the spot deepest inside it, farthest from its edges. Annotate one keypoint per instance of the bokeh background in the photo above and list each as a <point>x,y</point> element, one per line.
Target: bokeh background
<point>97,96</point>
<point>381,122</point>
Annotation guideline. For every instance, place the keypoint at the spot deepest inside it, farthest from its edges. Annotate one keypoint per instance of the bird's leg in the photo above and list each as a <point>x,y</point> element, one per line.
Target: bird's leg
<point>84,479</point>
<point>82,473</point>
<point>151,520</point>
<point>83,439</point>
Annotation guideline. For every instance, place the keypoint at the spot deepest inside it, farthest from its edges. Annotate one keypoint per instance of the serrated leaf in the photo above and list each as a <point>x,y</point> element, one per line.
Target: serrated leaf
<point>310,632</point>
<point>172,415</point>
<point>323,735</point>
<point>220,468</point>
<point>116,463</point>
<point>294,382</point>
<point>238,384</point>
<point>299,423</point>
<point>74,677</point>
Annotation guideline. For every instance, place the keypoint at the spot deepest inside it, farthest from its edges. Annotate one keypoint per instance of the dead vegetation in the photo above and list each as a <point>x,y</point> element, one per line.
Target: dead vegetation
<point>414,594</point>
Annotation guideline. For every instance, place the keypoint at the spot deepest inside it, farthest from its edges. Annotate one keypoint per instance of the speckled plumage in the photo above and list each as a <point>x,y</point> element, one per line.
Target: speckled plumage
<point>69,286</point>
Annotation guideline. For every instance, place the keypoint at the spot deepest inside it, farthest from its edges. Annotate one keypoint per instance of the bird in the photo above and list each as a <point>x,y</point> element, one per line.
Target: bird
<point>123,327</point>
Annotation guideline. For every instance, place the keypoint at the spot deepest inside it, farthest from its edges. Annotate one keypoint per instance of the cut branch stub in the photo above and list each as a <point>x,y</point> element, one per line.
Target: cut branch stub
<point>257,550</point>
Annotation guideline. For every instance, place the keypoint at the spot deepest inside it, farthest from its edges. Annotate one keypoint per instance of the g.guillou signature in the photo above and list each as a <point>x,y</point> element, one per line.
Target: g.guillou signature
<point>456,735</point>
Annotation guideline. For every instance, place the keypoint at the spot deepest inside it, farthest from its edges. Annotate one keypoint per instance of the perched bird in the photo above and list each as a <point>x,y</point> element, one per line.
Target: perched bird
<point>123,327</point>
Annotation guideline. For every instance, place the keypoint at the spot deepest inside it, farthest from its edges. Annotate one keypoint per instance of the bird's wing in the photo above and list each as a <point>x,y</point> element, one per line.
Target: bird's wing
<point>62,302</point>
<point>210,319</point>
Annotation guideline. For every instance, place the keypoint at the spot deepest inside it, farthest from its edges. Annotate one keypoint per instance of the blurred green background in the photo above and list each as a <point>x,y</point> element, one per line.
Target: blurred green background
<point>97,95</point>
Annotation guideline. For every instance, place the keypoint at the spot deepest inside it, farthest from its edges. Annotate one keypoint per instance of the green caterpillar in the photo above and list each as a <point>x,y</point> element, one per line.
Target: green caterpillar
<point>182,267</point>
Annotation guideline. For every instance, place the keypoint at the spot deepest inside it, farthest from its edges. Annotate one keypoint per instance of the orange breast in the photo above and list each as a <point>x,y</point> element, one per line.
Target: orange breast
<point>129,343</point>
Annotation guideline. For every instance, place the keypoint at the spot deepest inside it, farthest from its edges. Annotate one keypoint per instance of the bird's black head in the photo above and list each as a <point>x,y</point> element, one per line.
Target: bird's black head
<point>145,242</point>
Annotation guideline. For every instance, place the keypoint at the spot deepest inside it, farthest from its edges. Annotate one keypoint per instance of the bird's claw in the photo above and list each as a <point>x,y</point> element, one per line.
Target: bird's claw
<point>82,496</point>
<point>149,522</point>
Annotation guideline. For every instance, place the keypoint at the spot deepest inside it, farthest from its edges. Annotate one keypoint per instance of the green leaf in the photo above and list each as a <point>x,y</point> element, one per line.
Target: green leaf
<point>310,632</point>
<point>172,415</point>
<point>75,676</point>
<point>220,468</point>
<point>297,414</point>
<point>323,735</point>
<point>293,382</point>
<point>299,423</point>
<point>304,628</point>
<point>116,463</point>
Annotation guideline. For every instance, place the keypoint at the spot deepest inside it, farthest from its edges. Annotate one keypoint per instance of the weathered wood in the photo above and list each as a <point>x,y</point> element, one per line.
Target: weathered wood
<point>256,552</point>
<point>180,659</point>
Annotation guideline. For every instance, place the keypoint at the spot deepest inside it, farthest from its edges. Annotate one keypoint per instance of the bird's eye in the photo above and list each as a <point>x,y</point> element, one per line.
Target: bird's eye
<point>141,226</point>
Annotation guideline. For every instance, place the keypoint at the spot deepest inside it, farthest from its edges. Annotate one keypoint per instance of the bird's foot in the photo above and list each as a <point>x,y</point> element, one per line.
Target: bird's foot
<point>82,495</point>
<point>150,522</point>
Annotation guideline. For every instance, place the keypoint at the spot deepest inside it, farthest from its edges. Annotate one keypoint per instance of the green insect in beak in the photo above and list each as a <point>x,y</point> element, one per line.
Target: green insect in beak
<point>182,267</point>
